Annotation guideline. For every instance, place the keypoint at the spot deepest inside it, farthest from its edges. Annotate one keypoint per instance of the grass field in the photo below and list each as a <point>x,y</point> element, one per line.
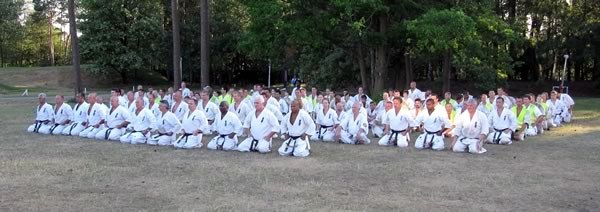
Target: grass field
<point>555,172</point>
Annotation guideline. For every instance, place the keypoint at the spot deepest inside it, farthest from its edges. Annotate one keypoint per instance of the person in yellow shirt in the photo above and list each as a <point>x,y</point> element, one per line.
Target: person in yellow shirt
<point>522,115</point>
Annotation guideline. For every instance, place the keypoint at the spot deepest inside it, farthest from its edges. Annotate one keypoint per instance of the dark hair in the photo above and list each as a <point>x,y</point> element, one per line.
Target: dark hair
<point>165,102</point>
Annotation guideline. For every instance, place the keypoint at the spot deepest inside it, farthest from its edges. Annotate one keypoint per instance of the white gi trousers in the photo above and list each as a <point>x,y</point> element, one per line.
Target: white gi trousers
<point>134,137</point>
<point>112,134</point>
<point>464,144</point>
<point>90,132</point>
<point>161,139</point>
<point>223,142</point>
<point>348,138</point>
<point>39,127</point>
<point>430,140</point>
<point>326,133</point>
<point>188,141</point>
<point>295,146</point>
<point>251,144</point>
<point>498,136</point>
<point>395,138</point>
<point>73,129</point>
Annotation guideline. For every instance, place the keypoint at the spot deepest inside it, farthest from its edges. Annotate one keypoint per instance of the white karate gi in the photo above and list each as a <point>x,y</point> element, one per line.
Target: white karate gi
<point>211,111</point>
<point>114,118</point>
<point>64,113</point>
<point>94,117</point>
<point>350,125</point>
<point>327,124</point>
<point>295,145</point>
<point>468,131</point>
<point>241,110</point>
<point>259,127</point>
<point>557,110</point>
<point>43,113</point>
<point>79,116</point>
<point>500,123</point>
<point>433,124</point>
<point>180,110</point>
<point>164,125</point>
<point>192,121</point>
<point>139,127</point>
<point>399,123</point>
<point>224,126</point>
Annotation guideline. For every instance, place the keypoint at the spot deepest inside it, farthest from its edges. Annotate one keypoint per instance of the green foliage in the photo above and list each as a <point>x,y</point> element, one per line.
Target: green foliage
<point>491,41</point>
<point>121,37</point>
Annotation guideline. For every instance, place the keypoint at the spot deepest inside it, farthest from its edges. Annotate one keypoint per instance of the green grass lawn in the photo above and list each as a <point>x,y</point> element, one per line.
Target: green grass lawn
<point>557,171</point>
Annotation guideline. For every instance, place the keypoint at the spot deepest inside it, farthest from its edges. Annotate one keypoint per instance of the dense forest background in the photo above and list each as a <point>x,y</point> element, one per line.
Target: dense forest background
<point>327,43</point>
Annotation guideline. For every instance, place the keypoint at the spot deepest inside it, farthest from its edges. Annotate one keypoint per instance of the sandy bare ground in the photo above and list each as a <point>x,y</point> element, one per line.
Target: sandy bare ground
<point>555,172</point>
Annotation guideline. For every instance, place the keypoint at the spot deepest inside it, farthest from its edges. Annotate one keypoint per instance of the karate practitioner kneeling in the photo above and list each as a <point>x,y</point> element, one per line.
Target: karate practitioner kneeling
<point>227,126</point>
<point>194,126</point>
<point>141,121</point>
<point>260,126</point>
<point>165,127</point>
<point>432,123</point>
<point>117,120</point>
<point>354,128</point>
<point>471,130</point>
<point>503,122</point>
<point>398,124</point>
<point>297,127</point>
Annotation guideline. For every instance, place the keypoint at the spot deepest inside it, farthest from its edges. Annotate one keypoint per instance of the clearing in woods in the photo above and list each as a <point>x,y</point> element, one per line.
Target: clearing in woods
<point>556,171</point>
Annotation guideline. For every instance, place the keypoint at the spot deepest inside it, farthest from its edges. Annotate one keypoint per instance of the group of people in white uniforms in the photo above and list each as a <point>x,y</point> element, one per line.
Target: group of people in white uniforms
<point>139,118</point>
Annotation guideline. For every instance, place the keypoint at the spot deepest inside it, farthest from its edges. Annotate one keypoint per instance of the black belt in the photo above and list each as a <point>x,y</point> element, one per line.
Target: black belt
<point>185,135</point>
<point>427,133</point>
<point>38,125</point>
<point>220,146</point>
<point>395,135</point>
<point>52,128</point>
<point>496,138</point>
<point>320,136</point>
<point>107,133</point>
<point>73,127</point>
<point>295,139</point>
<point>163,134</point>
<point>253,145</point>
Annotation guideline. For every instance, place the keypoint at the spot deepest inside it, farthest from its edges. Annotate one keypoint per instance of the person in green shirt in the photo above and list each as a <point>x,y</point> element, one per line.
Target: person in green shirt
<point>522,115</point>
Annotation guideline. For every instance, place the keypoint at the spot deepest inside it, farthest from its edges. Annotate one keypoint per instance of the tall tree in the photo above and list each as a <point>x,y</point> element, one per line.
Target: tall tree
<point>204,43</point>
<point>121,36</point>
<point>9,23</point>
<point>176,45</point>
<point>49,9</point>
<point>74,45</point>
<point>444,33</point>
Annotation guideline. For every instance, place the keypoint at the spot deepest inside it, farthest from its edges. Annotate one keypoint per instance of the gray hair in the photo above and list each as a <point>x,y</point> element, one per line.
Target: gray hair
<point>43,95</point>
<point>259,99</point>
<point>471,101</point>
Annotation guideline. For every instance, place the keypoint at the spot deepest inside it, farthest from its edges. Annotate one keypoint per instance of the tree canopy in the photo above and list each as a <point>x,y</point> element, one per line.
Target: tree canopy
<point>377,44</point>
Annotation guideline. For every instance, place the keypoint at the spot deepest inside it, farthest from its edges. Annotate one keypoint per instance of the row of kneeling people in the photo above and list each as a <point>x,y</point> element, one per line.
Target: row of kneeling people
<point>93,120</point>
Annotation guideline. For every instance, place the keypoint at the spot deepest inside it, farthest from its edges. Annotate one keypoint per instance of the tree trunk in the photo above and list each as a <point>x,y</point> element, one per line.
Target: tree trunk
<point>176,45</point>
<point>596,73</point>
<point>204,43</point>
<point>50,42</point>
<point>447,70</point>
<point>1,53</point>
<point>408,69</point>
<point>364,77</point>
<point>74,46</point>
<point>381,59</point>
